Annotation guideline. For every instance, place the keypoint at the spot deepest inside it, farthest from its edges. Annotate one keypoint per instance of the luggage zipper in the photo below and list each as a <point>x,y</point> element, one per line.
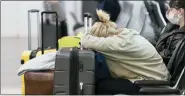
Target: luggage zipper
<point>74,72</point>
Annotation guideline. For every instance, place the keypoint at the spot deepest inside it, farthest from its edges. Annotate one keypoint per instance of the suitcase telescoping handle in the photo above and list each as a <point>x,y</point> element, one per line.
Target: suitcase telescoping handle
<point>90,21</point>
<point>29,28</point>
<point>42,26</point>
<point>87,23</point>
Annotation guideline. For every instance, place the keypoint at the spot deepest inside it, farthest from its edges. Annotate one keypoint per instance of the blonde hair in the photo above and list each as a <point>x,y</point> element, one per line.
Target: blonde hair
<point>104,27</point>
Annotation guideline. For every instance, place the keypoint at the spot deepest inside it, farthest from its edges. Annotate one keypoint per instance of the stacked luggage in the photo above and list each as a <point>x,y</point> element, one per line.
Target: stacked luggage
<point>50,36</point>
<point>73,73</point>
<point>30,54</point>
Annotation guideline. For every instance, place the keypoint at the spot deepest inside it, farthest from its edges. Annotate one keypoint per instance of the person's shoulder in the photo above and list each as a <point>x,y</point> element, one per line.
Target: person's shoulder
<point>128,32</point>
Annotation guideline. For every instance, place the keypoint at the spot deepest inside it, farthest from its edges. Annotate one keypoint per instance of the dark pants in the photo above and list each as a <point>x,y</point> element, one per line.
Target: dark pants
<point>113,86</point>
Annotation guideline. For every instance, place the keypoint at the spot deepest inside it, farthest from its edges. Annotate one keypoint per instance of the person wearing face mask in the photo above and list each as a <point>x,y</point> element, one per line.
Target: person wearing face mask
<point>168,40</point>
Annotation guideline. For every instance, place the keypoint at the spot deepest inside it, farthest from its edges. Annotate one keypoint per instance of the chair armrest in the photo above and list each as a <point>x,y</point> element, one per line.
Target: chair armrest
<point>152,83</point>
<point>158,91</point>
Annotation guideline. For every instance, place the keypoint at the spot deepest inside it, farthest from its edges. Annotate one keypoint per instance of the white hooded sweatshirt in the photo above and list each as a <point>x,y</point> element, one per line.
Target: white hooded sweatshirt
<point>129,56</point>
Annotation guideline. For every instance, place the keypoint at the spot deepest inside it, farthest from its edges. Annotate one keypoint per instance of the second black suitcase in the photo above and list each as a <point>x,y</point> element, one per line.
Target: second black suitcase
<point>74,70</point>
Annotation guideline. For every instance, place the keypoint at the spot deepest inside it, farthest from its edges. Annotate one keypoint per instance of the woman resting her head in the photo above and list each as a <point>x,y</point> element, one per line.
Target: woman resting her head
<point>128,55</point>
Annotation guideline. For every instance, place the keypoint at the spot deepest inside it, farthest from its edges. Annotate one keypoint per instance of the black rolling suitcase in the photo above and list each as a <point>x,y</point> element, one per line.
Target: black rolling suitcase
<point>49,31</point>
<point>47,41</point>
<point>74,70</point>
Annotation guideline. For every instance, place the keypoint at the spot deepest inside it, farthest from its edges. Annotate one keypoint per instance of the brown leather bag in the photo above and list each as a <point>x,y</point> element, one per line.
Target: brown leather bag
<point>39,83</point>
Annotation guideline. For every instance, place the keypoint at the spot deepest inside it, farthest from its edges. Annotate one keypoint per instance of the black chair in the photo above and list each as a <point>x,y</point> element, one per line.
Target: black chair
<point>158,14</point>
<point>176,85</point>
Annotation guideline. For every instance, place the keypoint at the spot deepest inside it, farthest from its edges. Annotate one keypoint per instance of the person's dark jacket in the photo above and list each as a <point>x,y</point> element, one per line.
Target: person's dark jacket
<point>110,6</point>
<point>168,41</point>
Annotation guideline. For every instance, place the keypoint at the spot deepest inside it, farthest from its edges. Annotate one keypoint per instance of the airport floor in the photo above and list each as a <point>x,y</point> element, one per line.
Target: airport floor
<point>11,49</point>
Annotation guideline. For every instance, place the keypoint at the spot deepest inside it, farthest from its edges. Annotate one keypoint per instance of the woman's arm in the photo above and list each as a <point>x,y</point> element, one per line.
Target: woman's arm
<point>101,43</point>
<point>112,43</point>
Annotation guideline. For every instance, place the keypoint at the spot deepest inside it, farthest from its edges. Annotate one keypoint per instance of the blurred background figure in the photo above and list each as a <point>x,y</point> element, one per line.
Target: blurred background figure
<point>59,7</point>
<point>110,6</point>
<point>55,5</point>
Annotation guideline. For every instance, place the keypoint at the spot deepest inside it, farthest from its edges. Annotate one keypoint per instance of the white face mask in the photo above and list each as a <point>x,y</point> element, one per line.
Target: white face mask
<point>173,17</point>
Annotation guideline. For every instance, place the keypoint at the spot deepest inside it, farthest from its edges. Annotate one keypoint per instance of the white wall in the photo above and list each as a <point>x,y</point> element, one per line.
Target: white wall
<point>14,17</point>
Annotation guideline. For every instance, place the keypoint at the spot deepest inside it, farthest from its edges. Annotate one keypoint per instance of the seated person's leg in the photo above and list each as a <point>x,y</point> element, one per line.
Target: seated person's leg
<point>113,86</point>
